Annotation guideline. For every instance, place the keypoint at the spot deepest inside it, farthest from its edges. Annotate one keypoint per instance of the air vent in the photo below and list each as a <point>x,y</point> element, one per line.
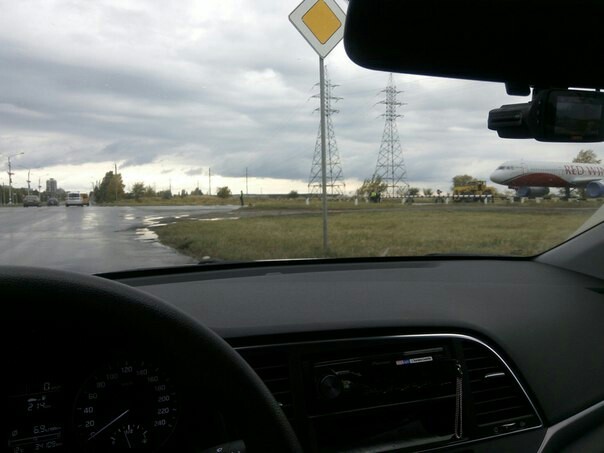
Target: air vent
<point>500,405</point>
<point>273,368</point>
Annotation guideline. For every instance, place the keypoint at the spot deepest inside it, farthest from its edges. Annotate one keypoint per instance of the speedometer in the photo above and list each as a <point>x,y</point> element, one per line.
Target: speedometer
<point>126,405</point>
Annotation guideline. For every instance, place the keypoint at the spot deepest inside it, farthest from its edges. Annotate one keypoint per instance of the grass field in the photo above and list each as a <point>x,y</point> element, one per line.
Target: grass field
<point>403,231</point>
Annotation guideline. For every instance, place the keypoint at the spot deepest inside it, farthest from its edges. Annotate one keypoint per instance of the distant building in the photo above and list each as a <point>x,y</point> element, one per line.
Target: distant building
<point>51,186</point>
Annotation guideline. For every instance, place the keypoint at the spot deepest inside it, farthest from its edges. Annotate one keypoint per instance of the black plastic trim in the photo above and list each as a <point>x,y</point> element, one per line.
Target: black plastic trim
<point>301,265</point>
<point>456,336</point>
<point>561,434</point>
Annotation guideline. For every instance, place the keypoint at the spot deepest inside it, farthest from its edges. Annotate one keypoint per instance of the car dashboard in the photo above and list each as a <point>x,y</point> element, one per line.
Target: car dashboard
<point>390,355</point>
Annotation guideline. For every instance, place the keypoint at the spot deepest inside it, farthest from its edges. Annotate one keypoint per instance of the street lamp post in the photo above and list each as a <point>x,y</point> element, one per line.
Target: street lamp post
<point>10,178</point>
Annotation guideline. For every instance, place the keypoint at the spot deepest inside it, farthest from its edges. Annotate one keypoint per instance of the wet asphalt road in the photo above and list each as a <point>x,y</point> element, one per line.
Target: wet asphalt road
<point>92,239</point>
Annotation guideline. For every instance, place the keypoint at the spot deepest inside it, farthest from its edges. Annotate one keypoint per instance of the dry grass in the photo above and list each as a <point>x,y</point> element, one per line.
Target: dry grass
<point>400,232</point>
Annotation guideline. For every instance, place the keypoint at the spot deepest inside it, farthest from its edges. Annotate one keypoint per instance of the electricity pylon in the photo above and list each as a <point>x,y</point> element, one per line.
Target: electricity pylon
<point>335,177</point>
<point>390,165</point>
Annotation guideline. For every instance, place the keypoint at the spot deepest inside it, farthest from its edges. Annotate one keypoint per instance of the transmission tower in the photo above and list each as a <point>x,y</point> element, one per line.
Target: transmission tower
<point>390,164</point>
<point>335,176</point>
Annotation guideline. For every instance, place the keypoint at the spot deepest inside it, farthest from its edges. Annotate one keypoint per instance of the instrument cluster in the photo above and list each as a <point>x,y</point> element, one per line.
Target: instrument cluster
<point>122,404</point>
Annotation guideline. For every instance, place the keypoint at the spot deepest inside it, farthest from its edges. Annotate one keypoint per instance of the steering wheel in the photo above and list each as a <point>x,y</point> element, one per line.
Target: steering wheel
<point>30,294</point>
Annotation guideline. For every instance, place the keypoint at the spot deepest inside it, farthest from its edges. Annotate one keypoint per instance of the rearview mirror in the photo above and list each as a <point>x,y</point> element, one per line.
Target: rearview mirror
<point>522,43</point>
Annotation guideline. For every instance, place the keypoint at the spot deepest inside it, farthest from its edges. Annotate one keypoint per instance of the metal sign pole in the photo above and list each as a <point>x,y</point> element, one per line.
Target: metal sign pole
<point>321,23</point>
<point>10,183</point>
<point>323,154</point>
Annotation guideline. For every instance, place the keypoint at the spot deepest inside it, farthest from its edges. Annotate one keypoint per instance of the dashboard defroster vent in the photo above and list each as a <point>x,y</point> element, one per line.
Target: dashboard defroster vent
<point>500,405</point>
<point>273,368</point>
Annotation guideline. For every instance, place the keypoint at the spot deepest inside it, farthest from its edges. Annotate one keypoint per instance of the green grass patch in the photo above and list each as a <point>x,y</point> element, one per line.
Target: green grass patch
<point>407,232</point>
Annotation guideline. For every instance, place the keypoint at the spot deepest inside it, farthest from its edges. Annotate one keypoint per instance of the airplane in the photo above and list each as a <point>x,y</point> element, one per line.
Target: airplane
<point>533,178</point>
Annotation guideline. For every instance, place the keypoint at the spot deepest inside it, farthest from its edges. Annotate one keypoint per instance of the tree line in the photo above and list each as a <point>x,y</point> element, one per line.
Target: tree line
<point>112,188</point>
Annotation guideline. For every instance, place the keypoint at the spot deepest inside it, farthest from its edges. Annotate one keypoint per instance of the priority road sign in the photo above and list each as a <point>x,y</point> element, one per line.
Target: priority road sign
<point>321,22</point>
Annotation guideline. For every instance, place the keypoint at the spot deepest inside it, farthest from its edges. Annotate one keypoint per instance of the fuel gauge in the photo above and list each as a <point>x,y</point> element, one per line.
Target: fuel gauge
<point>129,436</point>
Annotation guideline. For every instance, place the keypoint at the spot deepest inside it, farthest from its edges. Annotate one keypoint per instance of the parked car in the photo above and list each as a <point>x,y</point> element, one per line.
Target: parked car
<point>52,202</point>
<point>31,200</point>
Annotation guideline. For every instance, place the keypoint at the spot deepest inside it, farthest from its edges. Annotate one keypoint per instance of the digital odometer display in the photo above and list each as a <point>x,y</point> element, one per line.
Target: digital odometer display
<point>35,416</point>
<point>126,405</point>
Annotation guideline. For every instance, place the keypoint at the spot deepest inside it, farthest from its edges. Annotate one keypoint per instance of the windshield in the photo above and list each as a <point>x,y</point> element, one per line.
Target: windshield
<point>193,132</point>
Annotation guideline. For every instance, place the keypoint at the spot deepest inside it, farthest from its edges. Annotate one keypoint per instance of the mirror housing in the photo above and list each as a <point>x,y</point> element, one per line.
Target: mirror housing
<point>523,43</point>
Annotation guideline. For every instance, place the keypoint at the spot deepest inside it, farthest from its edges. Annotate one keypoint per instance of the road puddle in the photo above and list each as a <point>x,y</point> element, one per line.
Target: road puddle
<point>90,221</point>
<point>146,235</point>
<point>216,219</point>
<point>151,221</point>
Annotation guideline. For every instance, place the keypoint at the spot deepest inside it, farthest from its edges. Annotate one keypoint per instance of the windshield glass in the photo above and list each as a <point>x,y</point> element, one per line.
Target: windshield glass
<point>192,132</point>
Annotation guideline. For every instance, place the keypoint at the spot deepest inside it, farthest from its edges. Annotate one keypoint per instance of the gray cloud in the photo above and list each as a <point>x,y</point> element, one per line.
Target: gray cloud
<point>194,171</point>
<point>221,85</point>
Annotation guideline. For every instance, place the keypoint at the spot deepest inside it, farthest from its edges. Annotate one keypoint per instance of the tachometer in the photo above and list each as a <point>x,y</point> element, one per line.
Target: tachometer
<point>126,405</point>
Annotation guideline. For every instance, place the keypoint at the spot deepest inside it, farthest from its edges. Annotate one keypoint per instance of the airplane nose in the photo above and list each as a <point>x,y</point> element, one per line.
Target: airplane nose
<point>496,176</point>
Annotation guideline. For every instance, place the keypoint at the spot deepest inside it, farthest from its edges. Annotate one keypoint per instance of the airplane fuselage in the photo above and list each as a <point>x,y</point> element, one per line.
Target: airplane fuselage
<point>520,173</point>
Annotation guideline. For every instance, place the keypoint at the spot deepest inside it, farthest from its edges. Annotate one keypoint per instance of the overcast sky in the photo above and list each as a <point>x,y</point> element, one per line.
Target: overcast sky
<point>168,90</point>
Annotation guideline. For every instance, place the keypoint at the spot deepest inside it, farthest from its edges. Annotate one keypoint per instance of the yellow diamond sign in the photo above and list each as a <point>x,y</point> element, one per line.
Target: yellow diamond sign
<point>321,22</point>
